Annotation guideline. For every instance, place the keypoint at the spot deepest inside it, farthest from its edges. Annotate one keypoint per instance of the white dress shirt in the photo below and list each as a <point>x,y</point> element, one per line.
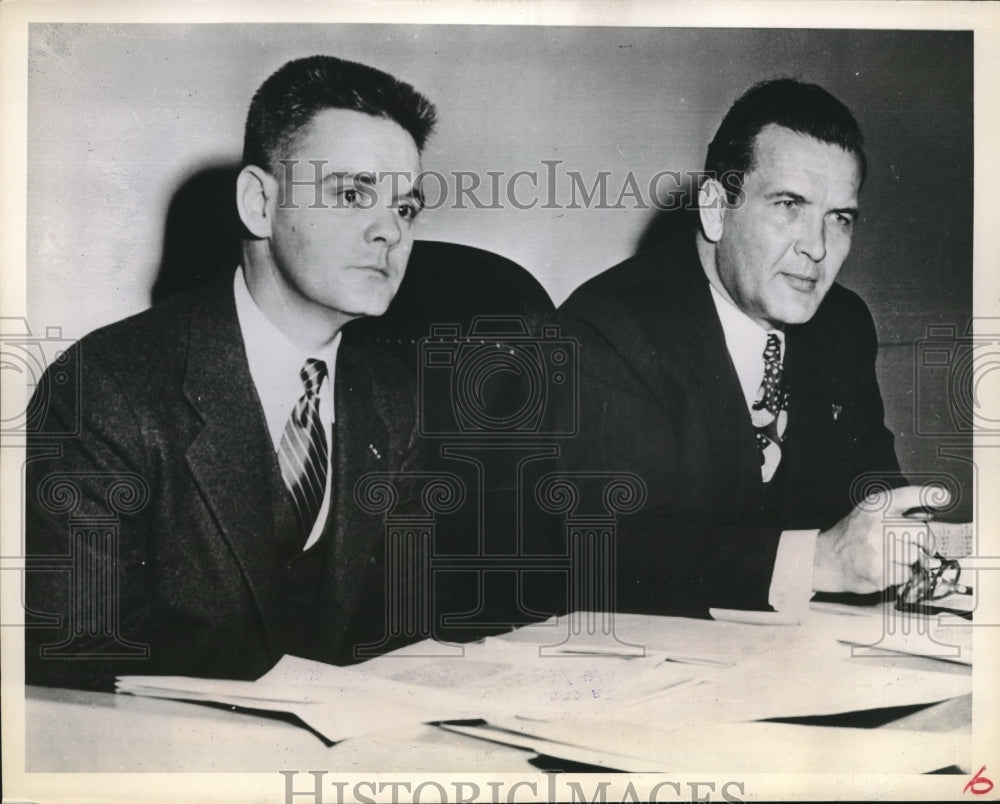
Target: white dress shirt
<point>275,363</point>
<point>791,581</point>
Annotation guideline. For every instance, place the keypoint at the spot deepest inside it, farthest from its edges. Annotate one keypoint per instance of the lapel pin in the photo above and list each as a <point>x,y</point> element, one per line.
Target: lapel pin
<point>835,409</point>
<point>375,452</point>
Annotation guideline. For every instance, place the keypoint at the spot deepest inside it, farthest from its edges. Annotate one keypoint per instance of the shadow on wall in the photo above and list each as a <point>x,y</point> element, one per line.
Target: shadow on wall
<point>675,214</point>
<point>445,282</point>
<point>202,233</point>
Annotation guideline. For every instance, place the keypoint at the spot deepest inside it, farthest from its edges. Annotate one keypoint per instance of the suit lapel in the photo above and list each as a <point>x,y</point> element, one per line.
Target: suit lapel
<point>361,446</point>
<point>232,458</point>
<point>699,339</point>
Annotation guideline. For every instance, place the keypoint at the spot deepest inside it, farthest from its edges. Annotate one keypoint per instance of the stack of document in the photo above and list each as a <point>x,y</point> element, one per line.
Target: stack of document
<point>416,684</point>
<point>637,698</point>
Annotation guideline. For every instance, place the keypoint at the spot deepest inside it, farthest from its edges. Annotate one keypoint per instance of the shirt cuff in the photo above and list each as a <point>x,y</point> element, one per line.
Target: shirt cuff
<point>792,581</point>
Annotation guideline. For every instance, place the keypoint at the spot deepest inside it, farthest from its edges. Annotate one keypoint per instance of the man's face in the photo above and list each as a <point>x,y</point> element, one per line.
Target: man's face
<point>782,248</point>
<point>343,220</point>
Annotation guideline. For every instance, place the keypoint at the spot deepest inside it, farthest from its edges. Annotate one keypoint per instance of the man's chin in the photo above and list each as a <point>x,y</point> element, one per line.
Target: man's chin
<point>800,316</point>
<point>371,308</point>
<point>795,313</point>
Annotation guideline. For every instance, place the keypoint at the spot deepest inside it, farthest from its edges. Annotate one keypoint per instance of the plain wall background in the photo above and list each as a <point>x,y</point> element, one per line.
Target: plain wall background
<point>121,116</point>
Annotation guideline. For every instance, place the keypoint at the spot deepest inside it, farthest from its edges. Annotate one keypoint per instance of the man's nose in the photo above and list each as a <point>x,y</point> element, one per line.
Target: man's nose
<point>384,226</point>
<point>811,240</point>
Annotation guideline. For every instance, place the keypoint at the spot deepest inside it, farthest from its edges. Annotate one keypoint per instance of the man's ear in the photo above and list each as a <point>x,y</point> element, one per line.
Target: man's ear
<point>712,209</point>
<point>256,194</point>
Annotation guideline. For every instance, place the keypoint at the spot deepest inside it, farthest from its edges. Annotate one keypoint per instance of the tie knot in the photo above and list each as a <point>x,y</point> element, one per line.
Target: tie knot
<point>313,373</point>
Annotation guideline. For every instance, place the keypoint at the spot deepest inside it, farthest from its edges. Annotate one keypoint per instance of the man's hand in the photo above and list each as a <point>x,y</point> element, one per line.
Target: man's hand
<point>852,555</point>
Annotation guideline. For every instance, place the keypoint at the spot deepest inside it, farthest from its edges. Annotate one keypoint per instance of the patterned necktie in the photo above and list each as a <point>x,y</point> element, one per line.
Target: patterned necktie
<point>769,411</point>
<point>303,451</point>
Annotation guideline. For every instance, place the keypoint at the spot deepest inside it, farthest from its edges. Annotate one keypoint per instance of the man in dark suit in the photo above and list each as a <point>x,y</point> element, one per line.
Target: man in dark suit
<point>731,374</point>
<point>210,487</point>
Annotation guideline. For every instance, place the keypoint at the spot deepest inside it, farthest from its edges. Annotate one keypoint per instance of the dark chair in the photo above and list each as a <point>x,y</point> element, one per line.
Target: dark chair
<point>452,284</point>
<point>477,331</point>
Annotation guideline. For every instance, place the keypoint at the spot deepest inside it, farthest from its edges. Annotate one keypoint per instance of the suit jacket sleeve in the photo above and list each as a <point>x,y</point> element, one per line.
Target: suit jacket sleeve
<point>97,474</point>
<point>870,451</point>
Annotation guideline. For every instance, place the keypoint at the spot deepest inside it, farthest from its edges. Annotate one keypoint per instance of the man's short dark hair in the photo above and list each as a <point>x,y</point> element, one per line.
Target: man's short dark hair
<point>803,108</point>
<point>289,99</point>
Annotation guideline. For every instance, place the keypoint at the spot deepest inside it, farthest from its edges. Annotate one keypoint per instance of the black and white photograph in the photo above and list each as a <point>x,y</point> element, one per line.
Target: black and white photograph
<point>499,401</point>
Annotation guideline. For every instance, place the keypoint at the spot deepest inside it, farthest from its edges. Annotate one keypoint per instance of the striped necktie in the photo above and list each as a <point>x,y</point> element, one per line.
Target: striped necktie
<point>769,411</point>
<point>303,452</point>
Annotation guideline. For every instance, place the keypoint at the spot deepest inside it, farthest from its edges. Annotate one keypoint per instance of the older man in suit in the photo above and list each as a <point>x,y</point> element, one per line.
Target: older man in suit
<point>729,371</point>
<point>238,419</point>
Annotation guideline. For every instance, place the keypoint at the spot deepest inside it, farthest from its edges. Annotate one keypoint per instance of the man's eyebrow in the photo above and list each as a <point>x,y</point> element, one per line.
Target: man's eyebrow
<point>787,194</point>
<point>346,177</point>
<point>801,199</point>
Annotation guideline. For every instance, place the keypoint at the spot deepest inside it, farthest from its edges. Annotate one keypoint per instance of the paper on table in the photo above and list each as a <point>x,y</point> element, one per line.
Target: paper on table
<point>338,702</point>
<point>415,685</point>
<point>881,626</point>
<point>952,540</point>
<point>540,745</point>
<point>762,673</point>
<point>715,672</point>
<point>884,628</point>
<point>754,617</point>
<point>547,686</point>
<point>945,638</point>
<point>679,639</point>
<point>210,689</point>
<point>816,676</point>
<point>735,747</point>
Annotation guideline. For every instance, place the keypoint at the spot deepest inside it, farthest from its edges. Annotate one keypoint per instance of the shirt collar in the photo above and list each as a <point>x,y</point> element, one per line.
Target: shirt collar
<point>745,342</point>
<point>275,362</point>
